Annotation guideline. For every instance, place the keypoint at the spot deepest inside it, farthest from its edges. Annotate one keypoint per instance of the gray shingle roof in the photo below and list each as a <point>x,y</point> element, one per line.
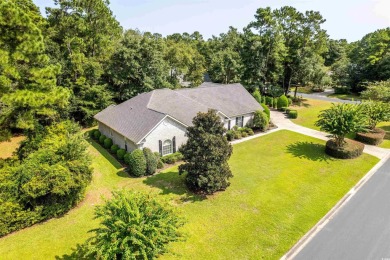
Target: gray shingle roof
<point>136,117</point>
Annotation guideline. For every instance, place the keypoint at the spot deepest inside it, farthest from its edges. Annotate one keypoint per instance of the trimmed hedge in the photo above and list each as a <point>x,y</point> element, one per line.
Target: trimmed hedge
<point>160,164</point>
<point>101,139</point>
<point>230,135</point>
<point>351,149</point>
<point>120,154</point>
<point>268,101</point>
<point>293,114</point>
<point>237,135</point>
<point>151,161</point>
<point>282,102</point>
<point>266,111</point>
<point>136,163</point>
<point>96,134</point>
<point>275,103</point>
<point>114,148</point>
<point>107,143</point>
<point>374,137</point>
<point>244,134</point>
<point>263,99</point>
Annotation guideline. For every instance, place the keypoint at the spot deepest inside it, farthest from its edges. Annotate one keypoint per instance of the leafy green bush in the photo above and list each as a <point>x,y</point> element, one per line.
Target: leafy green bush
<point>342,89</point>
<point>275,103</point>
<point>96,134</point>
<point>373,137</point>
<point>342,119</point>
<point>256,94</point>
<point>151,161</point>
<point>48,182</point>
<point>172,158</point>
<point>136,163</point>
<point>250,131</point>
<point>268,101</point>
<point>293,114</point>
<point>376,112</point>
<point>282,102</point>
<point>101,139</point>
<point>121,154</point>
<point>260,120</point>
<point>348,150</point>
<point>160,163</point>
<point>262,99</point>
<point>290,101</point>
<point>93,132</point>
<point>107,143</point>
<point>114,148</point>
<point>237,135</point>
<point>230,135</point>
<point>244,134</point>
<point>133,226</point>
<point>266,111</point>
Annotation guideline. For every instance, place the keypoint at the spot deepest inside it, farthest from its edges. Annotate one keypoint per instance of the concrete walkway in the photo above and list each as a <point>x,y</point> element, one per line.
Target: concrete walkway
<point>280,119</point>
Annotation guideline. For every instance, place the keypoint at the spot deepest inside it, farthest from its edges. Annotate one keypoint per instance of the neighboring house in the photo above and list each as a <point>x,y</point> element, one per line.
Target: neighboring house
<point>158,119</point>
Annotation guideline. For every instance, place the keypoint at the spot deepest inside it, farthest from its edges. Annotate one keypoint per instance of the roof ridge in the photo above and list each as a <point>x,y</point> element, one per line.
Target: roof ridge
<point>191,99</point>
<point>150,98</point>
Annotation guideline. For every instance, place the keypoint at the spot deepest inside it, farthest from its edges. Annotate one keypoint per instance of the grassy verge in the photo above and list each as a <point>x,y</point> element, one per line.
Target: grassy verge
<point>354,97</point>
<point>283,184</point>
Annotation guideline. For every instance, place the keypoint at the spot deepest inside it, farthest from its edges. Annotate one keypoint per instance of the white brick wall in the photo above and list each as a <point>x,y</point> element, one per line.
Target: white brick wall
<point>117,138</point>
<point>167,129</point>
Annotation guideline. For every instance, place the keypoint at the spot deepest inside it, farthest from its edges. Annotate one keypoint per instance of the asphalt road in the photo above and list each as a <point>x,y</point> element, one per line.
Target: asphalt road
<point>323,96</point>
<point>361,229</point>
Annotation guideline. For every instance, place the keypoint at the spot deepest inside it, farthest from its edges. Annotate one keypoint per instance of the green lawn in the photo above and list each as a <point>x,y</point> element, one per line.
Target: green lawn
<point>283,184</point>
<point>345,96</point>
<point>310,109</point>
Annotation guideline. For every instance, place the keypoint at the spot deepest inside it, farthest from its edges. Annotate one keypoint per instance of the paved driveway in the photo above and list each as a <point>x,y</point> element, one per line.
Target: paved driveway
<point>323,96</point>
<point>361,229</point>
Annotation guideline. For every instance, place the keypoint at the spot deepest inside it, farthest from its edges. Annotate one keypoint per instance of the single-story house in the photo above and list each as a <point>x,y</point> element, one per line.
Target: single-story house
<point>158,119</point>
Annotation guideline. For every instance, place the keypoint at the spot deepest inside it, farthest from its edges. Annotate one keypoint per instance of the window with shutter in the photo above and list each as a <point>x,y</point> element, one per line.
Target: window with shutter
<point>229,125</point>
<point>160,147</point>
<point>174,144</point>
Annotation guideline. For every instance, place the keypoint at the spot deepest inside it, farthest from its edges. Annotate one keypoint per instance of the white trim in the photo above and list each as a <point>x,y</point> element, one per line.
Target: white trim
<point>166,116</point>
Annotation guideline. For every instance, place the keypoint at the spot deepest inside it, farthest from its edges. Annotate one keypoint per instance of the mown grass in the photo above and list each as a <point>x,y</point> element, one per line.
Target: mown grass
<point>351,96</point>
<point>283,184</point>
<point>310,109</point>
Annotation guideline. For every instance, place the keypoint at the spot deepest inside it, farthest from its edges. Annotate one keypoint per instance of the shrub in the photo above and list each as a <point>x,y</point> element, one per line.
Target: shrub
<point>342,119</point>
<point>126,158</point>
<point>160,163</point>
<point>268,101</point>
<point>275,103</point>
<point>237,135</point>
<point>101,139</point>
<point>349,150</point>
<point>250,131</point>
<point>342,89</point>
<point>151,161</point>
<point>282,102</point>
<point>293,114</point>
<point>260,120</point>
<point>263,99</point>
<point>266,111</point>
<point>172,158</point>
<point>132,225</point>
<point>93,132</point>
<point>114,148</point>
<point>379,91</point>
<point>256,95</point>
<point>230,135</point>
<point>121,154</point>
<point>136,163</point>
<point>235,128</point>
<point>289,101</point>
<point>374,137</point>
<point>244,134</point>
<point>108,143</point>
<point>96,134</point>
<point>376,112</point>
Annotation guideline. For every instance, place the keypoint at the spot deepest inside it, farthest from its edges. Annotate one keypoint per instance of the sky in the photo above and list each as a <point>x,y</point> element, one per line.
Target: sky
<point>345,19</point>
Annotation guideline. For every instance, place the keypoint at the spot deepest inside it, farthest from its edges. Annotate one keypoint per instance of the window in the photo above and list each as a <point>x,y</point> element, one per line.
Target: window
<point>239,121</point>
<point>167,147</point>
<point>229,124</point>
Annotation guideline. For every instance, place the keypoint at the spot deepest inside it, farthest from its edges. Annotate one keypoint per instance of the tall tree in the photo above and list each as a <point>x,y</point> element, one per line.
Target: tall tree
<point>83,35</point>
<point>29,95</point>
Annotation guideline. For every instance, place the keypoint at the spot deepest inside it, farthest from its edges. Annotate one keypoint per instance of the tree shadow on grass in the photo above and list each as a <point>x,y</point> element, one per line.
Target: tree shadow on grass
<point>77,253</point>
<point>172,183</point>
<point>105,153</point>
<point>309,150</point>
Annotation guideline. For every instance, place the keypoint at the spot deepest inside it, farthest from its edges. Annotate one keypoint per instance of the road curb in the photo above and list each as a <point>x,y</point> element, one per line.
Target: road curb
<point>323,221</point>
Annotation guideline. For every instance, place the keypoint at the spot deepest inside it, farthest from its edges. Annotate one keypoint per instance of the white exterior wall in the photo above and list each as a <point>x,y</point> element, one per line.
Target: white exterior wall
<point>248,118</point>
<point>167,129</point>
<point>117,138</point>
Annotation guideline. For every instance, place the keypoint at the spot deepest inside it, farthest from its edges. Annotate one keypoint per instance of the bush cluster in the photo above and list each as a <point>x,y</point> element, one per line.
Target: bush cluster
<point>374,137</point>
<point>238,133</point>
<point>266,111</point>
<point>172,158</point>
<point>136,162</point>
<point>349,150</point>
<point>282,102</point>
<point>342,89</point>
<point>260,120</point>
